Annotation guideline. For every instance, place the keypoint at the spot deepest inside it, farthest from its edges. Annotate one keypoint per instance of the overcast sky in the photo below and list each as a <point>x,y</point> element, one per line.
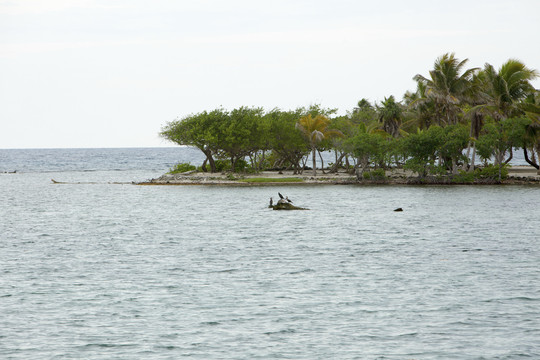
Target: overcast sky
<point>111,73</point>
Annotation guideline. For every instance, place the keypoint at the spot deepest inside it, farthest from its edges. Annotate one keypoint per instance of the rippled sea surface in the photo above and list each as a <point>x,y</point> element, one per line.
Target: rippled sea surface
<point>100,270</point>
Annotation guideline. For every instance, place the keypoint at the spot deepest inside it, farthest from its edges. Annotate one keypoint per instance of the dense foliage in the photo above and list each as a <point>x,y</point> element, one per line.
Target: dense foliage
<point>454,115</point>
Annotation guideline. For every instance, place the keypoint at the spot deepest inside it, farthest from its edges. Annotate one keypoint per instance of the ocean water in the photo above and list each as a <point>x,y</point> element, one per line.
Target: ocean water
<point>103,269</point>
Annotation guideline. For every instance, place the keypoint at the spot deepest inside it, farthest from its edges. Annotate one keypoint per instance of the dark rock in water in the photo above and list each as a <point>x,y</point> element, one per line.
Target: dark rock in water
<point>286,206</point>
<point>398,209</point>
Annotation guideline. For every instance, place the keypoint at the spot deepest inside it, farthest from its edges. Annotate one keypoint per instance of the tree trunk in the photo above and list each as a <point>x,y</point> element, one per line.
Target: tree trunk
<point>357,172</point>
<point>233,163</point>
<point>499,162</point>
<point>334,168</point>
<point>355,164</point>
<point>364,162</point>
<point>253,160</point>
<point>203,167</point>
<point>526,155</point>
<point>313,150</point>
<point>471,167</point>
<point>509,157</point>
<point>257,159</point>
<point>498,157</point>
<point>322,162</point>
<point>304,162</point>
<point>210,159</point>
<point>360,167</point>
<point>467,156</point>
<point>263,158</point>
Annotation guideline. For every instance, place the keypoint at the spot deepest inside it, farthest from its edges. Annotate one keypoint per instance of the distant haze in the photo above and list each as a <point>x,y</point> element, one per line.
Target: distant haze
<point>101,73</point>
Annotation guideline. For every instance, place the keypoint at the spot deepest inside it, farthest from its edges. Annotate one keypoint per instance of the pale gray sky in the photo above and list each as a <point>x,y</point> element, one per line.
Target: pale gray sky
<point>110,73</point>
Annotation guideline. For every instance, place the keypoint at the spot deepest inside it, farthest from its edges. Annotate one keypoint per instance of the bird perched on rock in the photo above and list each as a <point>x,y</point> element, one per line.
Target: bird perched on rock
<point>283,199</point>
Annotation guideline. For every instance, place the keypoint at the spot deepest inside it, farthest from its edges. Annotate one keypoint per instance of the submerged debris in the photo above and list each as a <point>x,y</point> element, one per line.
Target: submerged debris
<point>284,203</point>
<point>286,206</point>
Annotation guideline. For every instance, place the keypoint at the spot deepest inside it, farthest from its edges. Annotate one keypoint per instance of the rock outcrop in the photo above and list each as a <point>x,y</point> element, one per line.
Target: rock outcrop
<point>285,206</point>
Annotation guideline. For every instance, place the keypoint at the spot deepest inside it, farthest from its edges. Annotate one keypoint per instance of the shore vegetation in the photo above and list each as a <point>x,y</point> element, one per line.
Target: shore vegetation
<point>455,118</point>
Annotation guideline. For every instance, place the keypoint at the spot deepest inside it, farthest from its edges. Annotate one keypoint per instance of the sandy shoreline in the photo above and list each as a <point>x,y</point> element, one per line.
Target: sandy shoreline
<point>516,175</point>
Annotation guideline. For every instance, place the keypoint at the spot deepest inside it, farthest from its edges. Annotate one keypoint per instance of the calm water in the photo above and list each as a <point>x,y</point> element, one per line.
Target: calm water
<point>101,271</point>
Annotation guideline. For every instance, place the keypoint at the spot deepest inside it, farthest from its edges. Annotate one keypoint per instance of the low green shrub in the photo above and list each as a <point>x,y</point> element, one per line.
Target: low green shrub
<point>491,172</point>
<point>223,165</point>
<point>376,174</point>
<point>464,177</point>
<point>437,170</point>
<point>182,168</point>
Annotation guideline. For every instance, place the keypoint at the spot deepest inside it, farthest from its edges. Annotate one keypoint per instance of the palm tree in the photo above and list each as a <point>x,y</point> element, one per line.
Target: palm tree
<point>504,93</point>
<point>531,107</point>
<point>506,88</point>
<point>315,129</point>
<point>390,114</point>
<point>531,139</point>
<point>363,105</point>
<point>477,97</point>
<point>420,107</point>
<point>447,87</point>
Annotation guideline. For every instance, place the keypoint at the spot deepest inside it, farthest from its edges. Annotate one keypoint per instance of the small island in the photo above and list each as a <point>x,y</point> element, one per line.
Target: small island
<point>459,126</point>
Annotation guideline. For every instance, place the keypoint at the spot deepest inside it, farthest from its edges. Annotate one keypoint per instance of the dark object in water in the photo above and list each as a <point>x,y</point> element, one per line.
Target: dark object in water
<point>398,209</point>
<point>285,206</point>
